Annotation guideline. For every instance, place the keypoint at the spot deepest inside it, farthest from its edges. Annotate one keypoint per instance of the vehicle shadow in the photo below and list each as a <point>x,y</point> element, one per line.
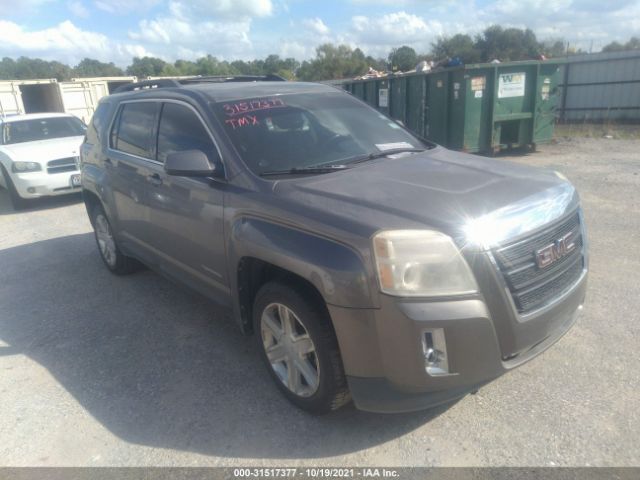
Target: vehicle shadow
<point>160,366</point>
<point>36,204</point>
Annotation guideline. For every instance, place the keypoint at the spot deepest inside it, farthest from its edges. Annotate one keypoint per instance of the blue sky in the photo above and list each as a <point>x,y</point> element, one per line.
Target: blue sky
<point>117,30</point>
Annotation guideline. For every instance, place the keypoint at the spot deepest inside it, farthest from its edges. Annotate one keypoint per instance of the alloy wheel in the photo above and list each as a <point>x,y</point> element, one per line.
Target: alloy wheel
<point>290,350</point>
<point>105,239</point>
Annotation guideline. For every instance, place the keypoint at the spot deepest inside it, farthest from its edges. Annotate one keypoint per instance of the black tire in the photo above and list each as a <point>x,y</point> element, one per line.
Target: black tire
<point>332,391</point>
<point>119,264</point>
<point>17,201</point>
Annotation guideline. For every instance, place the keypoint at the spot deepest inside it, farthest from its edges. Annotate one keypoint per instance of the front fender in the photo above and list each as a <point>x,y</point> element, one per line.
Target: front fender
<point>335,269</point>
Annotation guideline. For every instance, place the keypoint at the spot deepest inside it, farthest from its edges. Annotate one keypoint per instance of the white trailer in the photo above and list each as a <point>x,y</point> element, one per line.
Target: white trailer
<point>30,96</point>
<point>78,97</point>
<point>81,98</point>
<point>112,82</point>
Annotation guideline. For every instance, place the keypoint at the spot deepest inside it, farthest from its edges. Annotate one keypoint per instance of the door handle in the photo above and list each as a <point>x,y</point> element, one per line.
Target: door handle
<point>155,179</point>
<point>108,161</point>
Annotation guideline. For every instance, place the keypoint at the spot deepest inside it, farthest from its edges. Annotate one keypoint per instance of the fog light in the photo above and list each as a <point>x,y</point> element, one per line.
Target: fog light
<point>435,352</point>
<point>31,190</point>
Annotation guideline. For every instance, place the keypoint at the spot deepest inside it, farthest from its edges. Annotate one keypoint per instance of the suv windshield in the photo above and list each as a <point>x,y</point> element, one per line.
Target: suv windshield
<point>296,131</point>
<point>41,129</point>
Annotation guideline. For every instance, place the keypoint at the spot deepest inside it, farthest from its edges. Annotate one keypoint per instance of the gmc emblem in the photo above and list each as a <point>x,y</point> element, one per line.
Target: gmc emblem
<point>558,249</point>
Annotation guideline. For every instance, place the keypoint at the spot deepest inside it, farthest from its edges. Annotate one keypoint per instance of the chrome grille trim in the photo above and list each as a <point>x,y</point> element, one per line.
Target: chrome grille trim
<point>531,287</point>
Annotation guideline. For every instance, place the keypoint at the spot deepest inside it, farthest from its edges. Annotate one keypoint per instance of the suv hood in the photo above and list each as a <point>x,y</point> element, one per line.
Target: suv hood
<point>441,189</point>
<point>44,150</point>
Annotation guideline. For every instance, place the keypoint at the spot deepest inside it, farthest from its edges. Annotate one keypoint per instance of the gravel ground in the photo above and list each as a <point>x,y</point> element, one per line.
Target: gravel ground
<point>97,370</point>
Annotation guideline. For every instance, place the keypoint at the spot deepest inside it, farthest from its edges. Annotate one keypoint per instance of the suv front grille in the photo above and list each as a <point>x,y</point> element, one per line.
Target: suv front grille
<point>533,287</point>
<point>62,165</point>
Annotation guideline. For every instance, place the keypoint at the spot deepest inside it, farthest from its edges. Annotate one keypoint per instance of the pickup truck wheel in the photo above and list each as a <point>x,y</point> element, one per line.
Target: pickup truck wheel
<point>17,201</point>
<point>111,255</point>
<point>300,349</point>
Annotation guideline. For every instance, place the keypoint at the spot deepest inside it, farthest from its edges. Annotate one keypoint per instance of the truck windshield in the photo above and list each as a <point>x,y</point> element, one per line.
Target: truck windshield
<point>294,131</point>
<point>22,131</point>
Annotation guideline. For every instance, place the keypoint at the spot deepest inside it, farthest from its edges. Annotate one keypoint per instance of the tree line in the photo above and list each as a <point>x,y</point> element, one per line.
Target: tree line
<point>330,62</point>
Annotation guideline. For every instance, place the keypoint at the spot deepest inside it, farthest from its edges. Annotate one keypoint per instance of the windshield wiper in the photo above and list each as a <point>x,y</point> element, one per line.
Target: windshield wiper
<point>383,153</point>
<point>310,169</point>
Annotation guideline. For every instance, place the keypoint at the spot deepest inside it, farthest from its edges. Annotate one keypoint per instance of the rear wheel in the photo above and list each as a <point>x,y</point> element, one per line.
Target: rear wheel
<point>299,348</point>
<point>111,255</point>
<point>17,201</point>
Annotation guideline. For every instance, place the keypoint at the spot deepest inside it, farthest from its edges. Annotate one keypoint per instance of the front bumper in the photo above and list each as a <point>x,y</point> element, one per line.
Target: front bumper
<point>383,353</point>
<point>43,184</point>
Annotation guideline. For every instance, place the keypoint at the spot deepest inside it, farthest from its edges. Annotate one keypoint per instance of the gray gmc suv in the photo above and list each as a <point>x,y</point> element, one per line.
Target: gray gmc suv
<point>369,264</point>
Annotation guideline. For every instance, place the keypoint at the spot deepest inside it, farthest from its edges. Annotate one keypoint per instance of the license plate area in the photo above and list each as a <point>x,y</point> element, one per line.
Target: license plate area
<point>76,180</point>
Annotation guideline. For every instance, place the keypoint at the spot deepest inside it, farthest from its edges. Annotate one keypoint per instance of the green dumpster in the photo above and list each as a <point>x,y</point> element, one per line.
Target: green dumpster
<point>519,109</point>
<point>398,99</point>
<point>474,108</point>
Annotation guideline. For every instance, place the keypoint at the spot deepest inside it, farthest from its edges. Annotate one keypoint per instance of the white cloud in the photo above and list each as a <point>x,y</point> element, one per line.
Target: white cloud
<point>12,8</point>
<point>77,8</point>
<point>377,35</point>
<point>66,43</point>
<point>181,37</point>
<point>194,28</point>
<point>123,7</point>
<point>63,37</point>
<point>316,25</point>
<point>229,9</point>
<point>173,29</point>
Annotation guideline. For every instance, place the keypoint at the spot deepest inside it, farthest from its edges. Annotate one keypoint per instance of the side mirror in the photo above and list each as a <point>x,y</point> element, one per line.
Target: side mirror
<point>189,163</point>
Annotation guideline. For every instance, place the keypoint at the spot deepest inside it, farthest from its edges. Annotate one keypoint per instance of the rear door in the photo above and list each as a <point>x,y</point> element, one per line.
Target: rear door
<point>130,164</point>
<point>187,213</point>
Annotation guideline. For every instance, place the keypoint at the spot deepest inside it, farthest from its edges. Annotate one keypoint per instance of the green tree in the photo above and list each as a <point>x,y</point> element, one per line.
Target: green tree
<point>461,46</point>
<point>632,44</point>
<point>8,68</point>
<point>403,58</point>
<point>31,68</point>
<point>553,48</point>
<point>333,62</point>
<point>379,64</point>
<point>89,67</point>
<point>507,44</point>
<point>146,67</point>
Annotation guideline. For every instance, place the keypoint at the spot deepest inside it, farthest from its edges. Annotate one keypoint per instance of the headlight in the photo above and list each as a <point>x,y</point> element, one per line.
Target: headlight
<point>421,263</point>
<point>20,167</point>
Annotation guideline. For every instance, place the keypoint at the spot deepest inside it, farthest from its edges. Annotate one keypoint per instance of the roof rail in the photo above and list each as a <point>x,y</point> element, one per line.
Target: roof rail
<point>234,78</point>
<point>147,84</point>
<point>172,82</point>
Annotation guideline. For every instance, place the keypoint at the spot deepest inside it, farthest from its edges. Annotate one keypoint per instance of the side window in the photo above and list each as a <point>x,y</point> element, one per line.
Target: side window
<point>98,121</point>
<point>136,129</point>
<point>181,129</point>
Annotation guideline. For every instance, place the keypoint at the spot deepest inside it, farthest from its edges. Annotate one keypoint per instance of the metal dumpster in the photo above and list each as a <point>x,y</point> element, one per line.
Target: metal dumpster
<point>474,108</point>
<point>374,91</point>
<point>497,106</point>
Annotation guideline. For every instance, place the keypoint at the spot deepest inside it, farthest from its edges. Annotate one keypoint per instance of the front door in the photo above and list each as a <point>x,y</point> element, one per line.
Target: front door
<point>187,213</point>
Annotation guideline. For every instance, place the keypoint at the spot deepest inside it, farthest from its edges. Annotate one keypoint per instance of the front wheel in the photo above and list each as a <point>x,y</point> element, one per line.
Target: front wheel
<point>17,201</point>
<point>299,348</point>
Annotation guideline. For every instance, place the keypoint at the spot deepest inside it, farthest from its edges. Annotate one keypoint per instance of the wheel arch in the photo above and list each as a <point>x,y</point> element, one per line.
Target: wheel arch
<point>261,250</point>
<point>253,273</point>
<point>91,200</point>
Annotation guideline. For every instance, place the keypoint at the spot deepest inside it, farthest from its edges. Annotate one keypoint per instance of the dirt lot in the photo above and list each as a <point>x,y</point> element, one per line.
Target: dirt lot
<point>100,370</point>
